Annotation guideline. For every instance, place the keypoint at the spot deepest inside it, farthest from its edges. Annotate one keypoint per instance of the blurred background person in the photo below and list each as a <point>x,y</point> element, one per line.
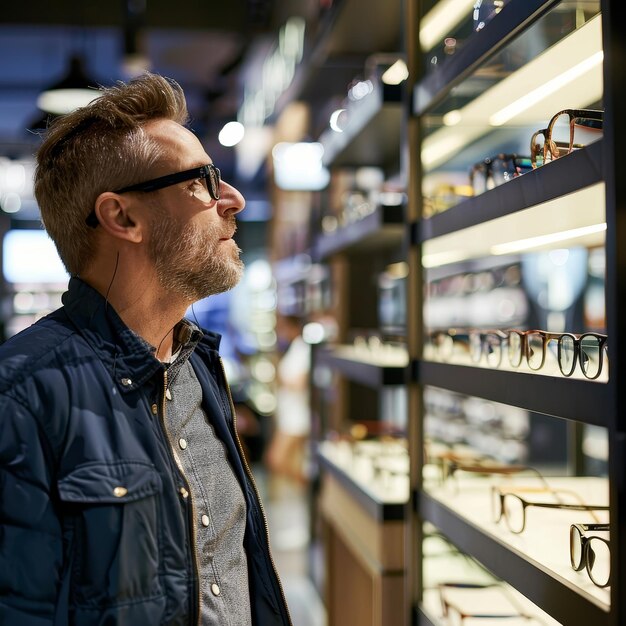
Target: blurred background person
<point>288,449</point>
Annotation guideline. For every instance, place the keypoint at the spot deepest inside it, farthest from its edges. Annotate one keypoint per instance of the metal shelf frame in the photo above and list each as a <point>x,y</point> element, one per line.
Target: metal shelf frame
<point>572,399</point>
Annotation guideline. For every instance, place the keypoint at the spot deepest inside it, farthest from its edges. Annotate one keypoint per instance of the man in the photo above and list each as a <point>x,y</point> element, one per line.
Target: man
<point>124,495</point>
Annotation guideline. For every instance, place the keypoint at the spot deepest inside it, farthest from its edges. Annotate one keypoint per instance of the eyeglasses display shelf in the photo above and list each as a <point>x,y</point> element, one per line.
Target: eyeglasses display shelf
<point>514,139</point>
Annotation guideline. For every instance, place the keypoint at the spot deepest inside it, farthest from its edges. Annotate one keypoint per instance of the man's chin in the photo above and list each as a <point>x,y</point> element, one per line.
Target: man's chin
<point>226,279</point>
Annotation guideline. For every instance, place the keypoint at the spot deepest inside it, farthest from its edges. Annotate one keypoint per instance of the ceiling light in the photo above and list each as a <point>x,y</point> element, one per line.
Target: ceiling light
<point>298,166</point>
<point>231,134</point>
<point>71,92</point>
<point>395,74</point>
<point>11,202</point>
<point>452,118</point>
<point>335,120</point>
<point>361,89</point>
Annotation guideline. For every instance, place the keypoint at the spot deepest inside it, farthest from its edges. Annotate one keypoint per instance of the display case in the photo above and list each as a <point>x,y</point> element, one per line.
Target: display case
<point>515,291</point>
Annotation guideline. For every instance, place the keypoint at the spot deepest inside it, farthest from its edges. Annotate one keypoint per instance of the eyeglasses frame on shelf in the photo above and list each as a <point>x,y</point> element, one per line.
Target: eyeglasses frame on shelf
<point>456,336</point>
<point>515,165</point>
<point>578,533</point>
<point>484,467</point>
<point>480,342</point>
<point>501,493</point>
<point>546,337</point>
<point>446,605</point>
<point>555,147</point>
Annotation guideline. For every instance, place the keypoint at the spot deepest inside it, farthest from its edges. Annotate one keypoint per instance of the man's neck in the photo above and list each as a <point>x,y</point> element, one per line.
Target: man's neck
<point>144,306</point>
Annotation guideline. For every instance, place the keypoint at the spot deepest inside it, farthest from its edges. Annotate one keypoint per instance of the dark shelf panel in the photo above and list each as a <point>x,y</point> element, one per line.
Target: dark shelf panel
<point>368,374</point>
<point>381,229</point>
<point>565,175</point>
<point>513,18</point>
<point>379,510</point>
<point>580,400</point>
<point>372,135</point>
<point>379,29</point>
<point>566,605</point>
<point>420,618</point>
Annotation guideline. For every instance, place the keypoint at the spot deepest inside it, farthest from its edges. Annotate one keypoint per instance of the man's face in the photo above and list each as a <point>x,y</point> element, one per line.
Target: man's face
<point>190,240</point>
<point>193,259</point>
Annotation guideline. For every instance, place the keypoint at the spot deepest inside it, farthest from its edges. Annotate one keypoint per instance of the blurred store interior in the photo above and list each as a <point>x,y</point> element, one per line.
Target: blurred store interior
<point>240,64</point>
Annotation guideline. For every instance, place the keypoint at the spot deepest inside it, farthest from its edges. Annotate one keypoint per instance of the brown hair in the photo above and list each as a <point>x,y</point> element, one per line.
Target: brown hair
<point>97,148</point>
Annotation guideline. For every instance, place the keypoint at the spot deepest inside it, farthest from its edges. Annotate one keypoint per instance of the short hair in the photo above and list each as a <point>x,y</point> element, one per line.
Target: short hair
<point>96,148</point>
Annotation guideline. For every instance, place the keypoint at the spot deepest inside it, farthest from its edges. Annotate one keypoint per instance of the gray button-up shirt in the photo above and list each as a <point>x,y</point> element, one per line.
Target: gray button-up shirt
<point>218,503</point>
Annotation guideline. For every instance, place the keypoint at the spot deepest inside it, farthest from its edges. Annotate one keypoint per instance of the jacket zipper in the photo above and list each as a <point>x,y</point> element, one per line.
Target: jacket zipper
<point>256,491</point>
<point>191,507</point>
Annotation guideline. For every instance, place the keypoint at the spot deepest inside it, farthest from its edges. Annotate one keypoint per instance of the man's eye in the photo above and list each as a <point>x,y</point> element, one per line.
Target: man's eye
<point>195,186</point>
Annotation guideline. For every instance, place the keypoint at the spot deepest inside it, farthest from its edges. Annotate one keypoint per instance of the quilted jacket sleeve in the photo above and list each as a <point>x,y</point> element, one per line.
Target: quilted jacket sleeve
<point>31,545</point>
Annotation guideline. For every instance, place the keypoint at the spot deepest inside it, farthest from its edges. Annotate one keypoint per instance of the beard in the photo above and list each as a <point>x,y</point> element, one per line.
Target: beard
<point>191,261</point>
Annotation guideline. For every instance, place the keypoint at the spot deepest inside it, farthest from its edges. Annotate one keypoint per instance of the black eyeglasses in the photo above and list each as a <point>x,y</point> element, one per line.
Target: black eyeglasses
<point>590,553</point>
<point>567,131</point>
<point>208,175</point>
<point>508,504</point>
<point>497,170</point>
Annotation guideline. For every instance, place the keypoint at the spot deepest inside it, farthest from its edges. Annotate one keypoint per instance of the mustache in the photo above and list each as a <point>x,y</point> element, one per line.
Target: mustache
<point>230,227</point>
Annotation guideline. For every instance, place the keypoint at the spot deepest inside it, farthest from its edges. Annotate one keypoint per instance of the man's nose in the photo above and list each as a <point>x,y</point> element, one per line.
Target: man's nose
<point>231,201</point>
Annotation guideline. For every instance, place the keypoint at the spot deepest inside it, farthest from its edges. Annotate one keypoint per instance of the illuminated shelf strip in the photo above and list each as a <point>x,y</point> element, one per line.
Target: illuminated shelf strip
<point>542,226</point>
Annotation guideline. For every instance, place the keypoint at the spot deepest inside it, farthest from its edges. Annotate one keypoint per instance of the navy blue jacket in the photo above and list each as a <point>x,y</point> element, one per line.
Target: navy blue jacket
<point>94,529</point>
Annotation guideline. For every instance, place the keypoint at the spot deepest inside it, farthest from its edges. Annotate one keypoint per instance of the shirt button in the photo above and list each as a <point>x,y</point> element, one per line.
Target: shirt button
<point>127,382</point>
<point>120,492</point>
<point>215,588</point>
<point>205,520</point>
<point>155,409</point>
<point>182,443</point>
<point>184,493</point>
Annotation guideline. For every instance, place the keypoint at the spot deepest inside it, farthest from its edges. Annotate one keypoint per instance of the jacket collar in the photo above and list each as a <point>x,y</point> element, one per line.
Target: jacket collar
<point>125,355</point>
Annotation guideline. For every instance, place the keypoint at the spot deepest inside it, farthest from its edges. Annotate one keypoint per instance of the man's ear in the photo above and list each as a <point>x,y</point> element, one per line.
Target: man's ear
<point>115,214</point>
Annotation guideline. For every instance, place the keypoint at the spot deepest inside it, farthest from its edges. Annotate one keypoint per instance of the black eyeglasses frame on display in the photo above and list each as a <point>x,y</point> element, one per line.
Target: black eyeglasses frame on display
<point>578,536</point>
<point>501,511</point>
